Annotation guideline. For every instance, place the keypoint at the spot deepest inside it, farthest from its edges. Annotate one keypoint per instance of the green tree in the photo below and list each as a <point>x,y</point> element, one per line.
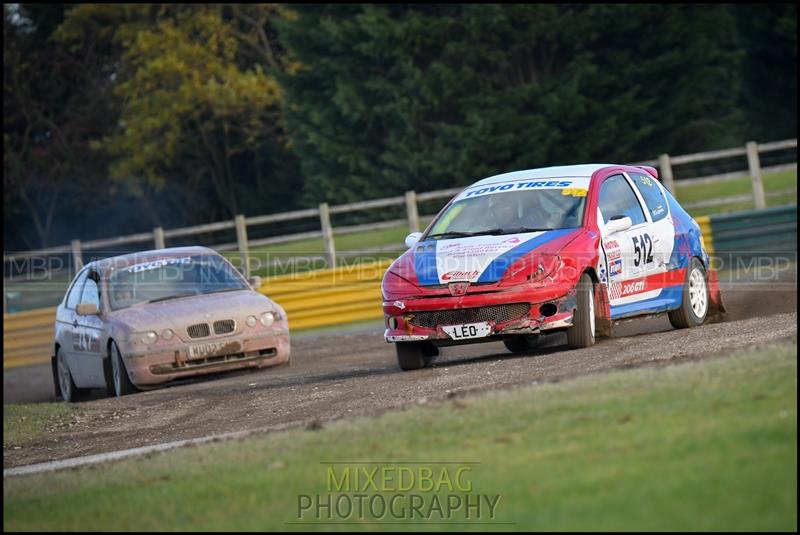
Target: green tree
<point>388,98</point>
<point>54,104</point>
<point>768,36</point>
<point>199,107</point>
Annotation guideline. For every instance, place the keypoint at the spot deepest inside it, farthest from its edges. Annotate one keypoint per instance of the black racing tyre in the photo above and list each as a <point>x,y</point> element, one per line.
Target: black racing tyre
<point>66,385</point>
<point>522,343</point>
<point>695,299</point>
<point>415,355</point>
<point>108,374</point>
<point>581,334</point>
<point>122,383</point>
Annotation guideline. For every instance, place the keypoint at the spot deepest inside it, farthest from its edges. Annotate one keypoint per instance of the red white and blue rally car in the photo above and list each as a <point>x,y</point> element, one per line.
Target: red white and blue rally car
<point>522,254</point>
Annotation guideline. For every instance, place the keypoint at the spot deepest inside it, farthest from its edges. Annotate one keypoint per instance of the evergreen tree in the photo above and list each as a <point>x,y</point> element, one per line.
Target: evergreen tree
<point>389,98</point>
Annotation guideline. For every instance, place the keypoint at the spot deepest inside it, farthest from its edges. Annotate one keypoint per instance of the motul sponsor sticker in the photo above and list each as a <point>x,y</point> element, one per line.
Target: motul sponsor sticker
<point>612,250</point>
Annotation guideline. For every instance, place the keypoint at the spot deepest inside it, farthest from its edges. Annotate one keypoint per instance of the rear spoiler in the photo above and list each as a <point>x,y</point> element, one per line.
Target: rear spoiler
<point>652,170</point>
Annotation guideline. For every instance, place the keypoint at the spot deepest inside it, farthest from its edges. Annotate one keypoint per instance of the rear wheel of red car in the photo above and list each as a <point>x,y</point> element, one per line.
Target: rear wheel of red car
<point>415,355</point>
<point>694,305</point>
<point>522,343</point>
<point>69,392</point>
<point>581,334</point>
<point>122,383</point>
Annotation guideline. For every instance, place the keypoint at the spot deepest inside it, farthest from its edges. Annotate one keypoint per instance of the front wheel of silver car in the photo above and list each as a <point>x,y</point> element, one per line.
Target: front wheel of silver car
<point>119,374</point>
<point>581,334</point>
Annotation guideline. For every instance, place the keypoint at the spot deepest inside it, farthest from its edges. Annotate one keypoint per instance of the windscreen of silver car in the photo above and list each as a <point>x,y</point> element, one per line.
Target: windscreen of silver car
<point>201,274</point>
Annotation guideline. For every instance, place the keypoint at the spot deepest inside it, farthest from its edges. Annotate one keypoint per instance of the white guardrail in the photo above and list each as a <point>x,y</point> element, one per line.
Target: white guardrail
<point>159,236</point>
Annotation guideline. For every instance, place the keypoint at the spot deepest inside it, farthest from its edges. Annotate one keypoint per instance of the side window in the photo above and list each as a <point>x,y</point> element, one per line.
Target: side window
<point>617,198</point>
<point>91,292</point>
<point>75,292</point>
<point>652,196</point>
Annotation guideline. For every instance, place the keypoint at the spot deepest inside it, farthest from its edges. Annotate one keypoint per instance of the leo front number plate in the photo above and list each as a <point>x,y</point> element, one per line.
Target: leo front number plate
<point>468,330</point>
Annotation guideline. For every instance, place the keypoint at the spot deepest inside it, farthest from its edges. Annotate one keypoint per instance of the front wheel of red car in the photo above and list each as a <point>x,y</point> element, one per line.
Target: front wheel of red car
<point>415,355</point>
<point>122,383</point>
<point>522,343</point>
<point>581,334</point>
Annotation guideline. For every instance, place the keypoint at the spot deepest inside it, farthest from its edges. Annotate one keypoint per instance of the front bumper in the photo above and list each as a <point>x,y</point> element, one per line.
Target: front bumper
<point>161,365</point>
<point>551,308</point>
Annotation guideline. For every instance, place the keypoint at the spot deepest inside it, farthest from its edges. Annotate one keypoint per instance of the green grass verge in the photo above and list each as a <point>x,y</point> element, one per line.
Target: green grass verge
<point>25,422</point>
<point>706,445</point>
<point>701,192</point>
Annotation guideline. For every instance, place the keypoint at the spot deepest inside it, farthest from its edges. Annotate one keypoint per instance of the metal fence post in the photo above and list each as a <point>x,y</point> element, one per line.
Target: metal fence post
<point>241,240</point>
<point>327,233</point>
<point>158,238</point>
<point>412,211</point>
<point>77,256</point>
<point>755,174</point>
<point>665,168</point>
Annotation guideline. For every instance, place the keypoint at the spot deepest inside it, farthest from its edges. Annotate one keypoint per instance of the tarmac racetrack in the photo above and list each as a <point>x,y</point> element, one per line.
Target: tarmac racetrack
<point>338,375</point>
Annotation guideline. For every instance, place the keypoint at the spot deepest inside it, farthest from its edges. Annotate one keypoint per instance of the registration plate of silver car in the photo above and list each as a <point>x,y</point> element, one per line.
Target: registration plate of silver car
<point>204,350</point>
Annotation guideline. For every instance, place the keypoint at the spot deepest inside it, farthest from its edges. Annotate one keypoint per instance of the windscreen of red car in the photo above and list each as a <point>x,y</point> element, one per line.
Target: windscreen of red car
<point>171,278</point>
<point>511,212</point>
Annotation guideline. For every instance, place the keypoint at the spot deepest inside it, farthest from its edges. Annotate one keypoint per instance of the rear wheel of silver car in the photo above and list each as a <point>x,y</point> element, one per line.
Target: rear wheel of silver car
<point>119,374</point>
<point>694,304</point>
<point>581,334</point>
<point>69,392</point>
<point>415,355</point>
<point>522,343</point>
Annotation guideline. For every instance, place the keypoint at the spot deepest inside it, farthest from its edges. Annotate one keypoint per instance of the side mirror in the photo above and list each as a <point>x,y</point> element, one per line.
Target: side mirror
<point>87,309</point>
<point>412,239</point>
<point>255,282</point>
<point>619,223</point>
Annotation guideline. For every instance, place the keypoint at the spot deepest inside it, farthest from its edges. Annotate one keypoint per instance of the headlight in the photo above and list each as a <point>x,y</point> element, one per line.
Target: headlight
<point>251,321</point>
<point>396,287</point>
<point>149,337</point>
<point>267,319</point>
<point>167,334</point>
<point>543,269</point>
<point>533,270</point>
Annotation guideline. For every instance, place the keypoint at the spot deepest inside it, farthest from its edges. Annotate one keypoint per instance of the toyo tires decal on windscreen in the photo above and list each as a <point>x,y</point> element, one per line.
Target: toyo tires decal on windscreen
<point>476,259</point>
<point>569,185</point>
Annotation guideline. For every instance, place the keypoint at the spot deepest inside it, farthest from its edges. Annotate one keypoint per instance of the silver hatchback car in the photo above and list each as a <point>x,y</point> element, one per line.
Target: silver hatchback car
<point>139,320</point>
